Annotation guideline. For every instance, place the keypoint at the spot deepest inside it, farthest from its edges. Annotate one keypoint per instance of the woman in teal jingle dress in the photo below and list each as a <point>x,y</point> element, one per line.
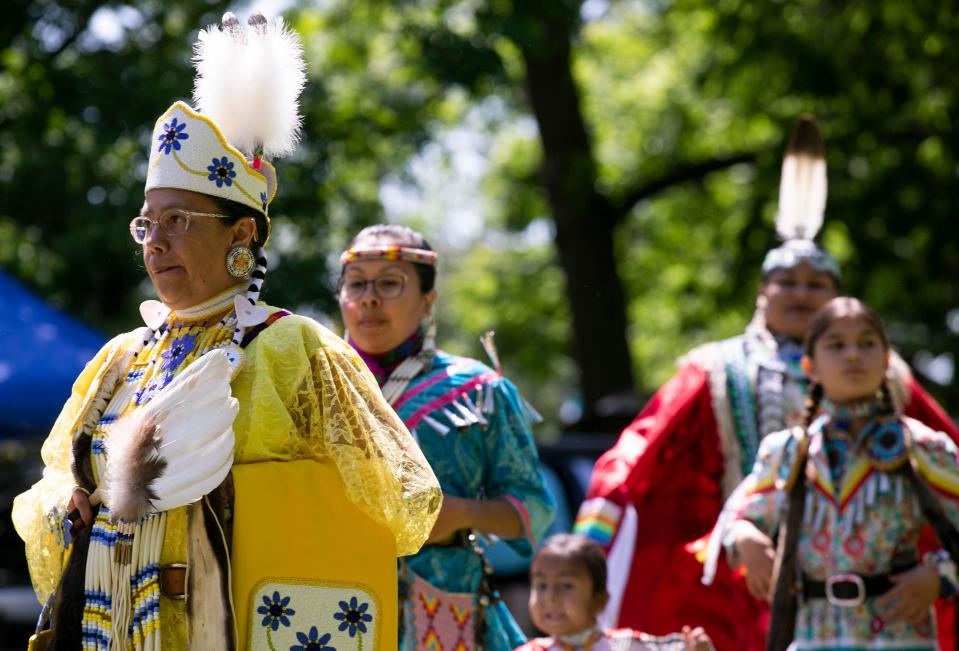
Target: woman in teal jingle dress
<point>474,429</point>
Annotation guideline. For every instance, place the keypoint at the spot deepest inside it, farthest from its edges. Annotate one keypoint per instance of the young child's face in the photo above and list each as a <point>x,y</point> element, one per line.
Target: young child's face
<point>562,600</point>
<point>849,360</point>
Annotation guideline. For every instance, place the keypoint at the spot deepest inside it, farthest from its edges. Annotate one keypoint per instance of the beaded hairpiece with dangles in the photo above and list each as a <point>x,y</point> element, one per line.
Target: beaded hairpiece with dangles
<point>395,386</point>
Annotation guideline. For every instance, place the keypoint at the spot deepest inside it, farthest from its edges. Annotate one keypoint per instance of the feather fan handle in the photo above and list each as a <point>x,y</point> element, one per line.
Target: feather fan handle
<point>249,83</point>
<point>802,187</point>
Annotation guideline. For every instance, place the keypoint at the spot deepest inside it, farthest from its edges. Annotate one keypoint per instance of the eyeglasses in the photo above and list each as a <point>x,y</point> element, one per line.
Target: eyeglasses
<point>173,222</point>
<point>385,287</point>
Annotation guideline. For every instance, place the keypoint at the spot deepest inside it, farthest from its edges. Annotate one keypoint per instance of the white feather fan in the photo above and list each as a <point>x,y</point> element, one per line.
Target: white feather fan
<point>802,187</point>
<point>178,447</point>
<point>249,81</point>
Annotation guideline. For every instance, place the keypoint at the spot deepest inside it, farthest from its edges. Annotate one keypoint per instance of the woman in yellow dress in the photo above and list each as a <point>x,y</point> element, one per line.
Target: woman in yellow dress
<point>296,546</point>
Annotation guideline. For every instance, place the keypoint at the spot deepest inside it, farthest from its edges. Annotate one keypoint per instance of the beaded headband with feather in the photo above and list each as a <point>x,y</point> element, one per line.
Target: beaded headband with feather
<point>802,203</point>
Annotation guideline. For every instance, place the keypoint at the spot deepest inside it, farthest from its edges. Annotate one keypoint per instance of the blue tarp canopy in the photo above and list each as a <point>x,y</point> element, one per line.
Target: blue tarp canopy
<point>42,350</point>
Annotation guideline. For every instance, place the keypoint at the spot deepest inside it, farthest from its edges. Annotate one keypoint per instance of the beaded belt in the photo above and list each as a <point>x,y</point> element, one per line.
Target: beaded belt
<point>847,590</point>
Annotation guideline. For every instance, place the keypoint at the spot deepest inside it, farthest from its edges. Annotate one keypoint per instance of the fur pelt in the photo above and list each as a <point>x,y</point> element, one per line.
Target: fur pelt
<point>134,465</point>
<point>208,607</point>
<point>209,610</point>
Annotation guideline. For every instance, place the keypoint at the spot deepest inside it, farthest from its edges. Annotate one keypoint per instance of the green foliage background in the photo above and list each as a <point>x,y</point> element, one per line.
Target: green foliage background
<point>400,92</point>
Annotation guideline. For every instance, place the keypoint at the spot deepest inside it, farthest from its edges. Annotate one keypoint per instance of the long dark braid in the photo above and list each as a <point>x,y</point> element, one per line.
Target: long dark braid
<point>786,571</point>
<point>886,404</point>
<point>813,400</point>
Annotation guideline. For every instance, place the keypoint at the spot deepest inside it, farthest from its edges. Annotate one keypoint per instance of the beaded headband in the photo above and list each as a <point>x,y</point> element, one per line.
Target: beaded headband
<point>389,252</point>
<point>794,252</point>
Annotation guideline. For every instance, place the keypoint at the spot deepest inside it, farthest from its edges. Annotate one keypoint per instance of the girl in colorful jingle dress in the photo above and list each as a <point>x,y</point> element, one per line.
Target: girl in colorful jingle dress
<point>568,591</point>
<point>855,486</point>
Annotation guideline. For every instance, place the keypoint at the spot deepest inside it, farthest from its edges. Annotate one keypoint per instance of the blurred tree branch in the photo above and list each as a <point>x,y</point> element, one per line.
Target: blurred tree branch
<point>681,173</point>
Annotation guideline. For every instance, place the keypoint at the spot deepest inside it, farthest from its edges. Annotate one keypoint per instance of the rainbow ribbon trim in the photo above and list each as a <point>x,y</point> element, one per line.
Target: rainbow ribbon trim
<point>598,518</point>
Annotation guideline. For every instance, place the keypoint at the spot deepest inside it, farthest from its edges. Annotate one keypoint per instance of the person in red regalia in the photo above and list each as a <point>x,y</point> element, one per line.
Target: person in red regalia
<point>656,494</point>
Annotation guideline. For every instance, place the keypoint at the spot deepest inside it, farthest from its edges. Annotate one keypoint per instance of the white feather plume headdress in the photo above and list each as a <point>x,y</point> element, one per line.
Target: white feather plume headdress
<point>802,203</point>
<point>249,81</point>
<point>802,185</point>
<point>247,87</point>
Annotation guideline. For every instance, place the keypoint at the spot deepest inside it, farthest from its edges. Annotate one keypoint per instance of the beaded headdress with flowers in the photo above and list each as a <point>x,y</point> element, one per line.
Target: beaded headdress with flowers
<point>246,91</point>
<point>802,203</point>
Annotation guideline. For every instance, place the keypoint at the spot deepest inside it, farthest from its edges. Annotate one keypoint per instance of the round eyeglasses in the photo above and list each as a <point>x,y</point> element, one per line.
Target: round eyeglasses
<point>173,222</point>
<point>385,287</point>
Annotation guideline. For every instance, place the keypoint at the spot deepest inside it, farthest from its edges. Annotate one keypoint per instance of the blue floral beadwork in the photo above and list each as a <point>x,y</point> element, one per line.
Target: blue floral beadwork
<point>312,642</point>
<point>353,616</point>
<point>263,201</point>
<point>144,394</point>
<point>276,611</point>
<point>177,352</point>
<point>221,172</point>
<point>172,134</point>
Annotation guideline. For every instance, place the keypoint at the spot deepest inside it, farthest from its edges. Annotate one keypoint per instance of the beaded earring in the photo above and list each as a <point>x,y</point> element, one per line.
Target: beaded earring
<point>240,261</point>
<point>257,276</point>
